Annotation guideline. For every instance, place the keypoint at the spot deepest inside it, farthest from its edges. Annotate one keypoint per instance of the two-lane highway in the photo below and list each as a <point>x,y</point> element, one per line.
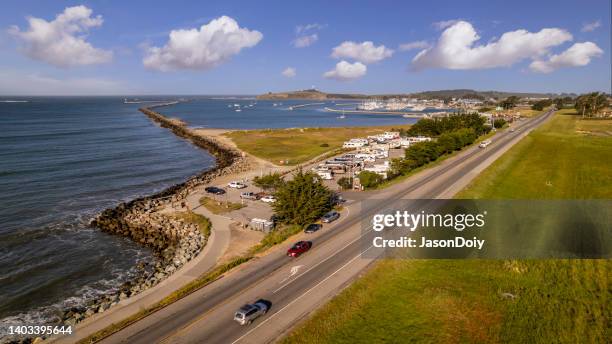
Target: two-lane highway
<point>297,286</point>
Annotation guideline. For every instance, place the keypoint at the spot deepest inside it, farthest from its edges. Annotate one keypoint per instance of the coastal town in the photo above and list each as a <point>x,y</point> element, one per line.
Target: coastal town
<point>235,195</point>
<point>305,173</point>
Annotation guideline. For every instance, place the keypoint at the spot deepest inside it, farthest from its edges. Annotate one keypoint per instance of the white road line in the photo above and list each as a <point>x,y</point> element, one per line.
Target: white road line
<point>319,263</point>
<point>299,297</point>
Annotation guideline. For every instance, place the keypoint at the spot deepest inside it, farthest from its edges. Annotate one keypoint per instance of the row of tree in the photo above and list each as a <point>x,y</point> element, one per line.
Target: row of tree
<point>590,104</point>
<point>434,127</point>
<point>541,104</point>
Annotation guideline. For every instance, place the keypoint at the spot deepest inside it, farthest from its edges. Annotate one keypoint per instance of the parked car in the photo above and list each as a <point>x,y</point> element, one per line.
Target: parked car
<point>330,217</point>
<point>248,195</point>
<point>313,227</point>
<point>298,248</point>
<point>268,199</point>
<point>214,190</point>
<point>249,312</point>
<point>236,185</point>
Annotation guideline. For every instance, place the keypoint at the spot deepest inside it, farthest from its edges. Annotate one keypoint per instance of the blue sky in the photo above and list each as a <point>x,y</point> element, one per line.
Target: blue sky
<point>128,49</point>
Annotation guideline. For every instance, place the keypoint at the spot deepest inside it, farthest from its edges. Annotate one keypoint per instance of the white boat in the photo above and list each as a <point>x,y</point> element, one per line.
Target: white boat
<point>237,110</point>
<point>236,105</point>
<point>274,104</point>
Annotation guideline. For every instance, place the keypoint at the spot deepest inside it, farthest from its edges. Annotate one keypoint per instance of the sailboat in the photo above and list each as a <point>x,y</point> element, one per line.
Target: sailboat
<point>342,116</point>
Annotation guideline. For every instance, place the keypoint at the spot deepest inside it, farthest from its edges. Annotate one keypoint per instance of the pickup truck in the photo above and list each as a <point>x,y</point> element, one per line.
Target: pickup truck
<point>249,195</point>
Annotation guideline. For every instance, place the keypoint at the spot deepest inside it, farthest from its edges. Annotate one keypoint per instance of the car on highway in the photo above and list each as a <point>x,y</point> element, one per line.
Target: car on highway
<point>214,190</point>
<point>298,248</point>
<point>268,199</point>
<point>484,143</point>
<point>249,195</point>
<point>313,227</point>
<point>330,217</point>
<point>236,185</point>
<point>249,312</point>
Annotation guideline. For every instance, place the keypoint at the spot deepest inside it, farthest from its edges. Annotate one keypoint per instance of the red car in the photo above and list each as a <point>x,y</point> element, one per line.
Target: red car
<point>299,248</point>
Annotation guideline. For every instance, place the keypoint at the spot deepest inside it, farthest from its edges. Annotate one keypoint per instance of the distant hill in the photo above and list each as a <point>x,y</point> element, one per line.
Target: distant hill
<point>310,94</point>
<point>458,93</point>
<point>468,93</point>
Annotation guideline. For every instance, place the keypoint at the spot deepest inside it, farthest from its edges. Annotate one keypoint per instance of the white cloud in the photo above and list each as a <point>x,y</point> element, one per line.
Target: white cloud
<point>365,52</point>
<point>305,41</point>
<point>588,27</point>
<point>456,49</point>
<point>306,35</point>
<point>577,55</point>
<point>61,42</point>
<point>314,26</point>
<point>204,48</point>
<point>413,45</point>
<point>289,72</point>
<point>441,25</point>
<point>345,71</point>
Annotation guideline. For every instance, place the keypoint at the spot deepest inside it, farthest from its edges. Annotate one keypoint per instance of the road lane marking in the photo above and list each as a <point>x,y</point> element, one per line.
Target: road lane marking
<point>299,297</point>
<point>294,270</point>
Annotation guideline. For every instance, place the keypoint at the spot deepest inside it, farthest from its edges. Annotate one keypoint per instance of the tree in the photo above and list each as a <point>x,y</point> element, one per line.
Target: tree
<point>590,104</point>
<point>369,179</point>
<point>541,104</point>
<point>302,200</point>
<point>509,102</point>
<point>345,183</point>
<point>270,181</point>
<point>499,123</point>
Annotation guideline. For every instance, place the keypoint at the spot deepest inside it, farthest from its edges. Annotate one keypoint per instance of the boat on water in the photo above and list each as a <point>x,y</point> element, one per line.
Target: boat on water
<point>341,117</point>
<point>238,110</point>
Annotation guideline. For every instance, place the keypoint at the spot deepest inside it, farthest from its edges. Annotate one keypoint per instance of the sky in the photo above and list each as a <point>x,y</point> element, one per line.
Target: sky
<point>251,47</point>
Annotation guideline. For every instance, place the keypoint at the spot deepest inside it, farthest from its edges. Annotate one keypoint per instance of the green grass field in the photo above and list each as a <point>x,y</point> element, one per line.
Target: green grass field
<point>491,301</point>
<point>566,158</point>
<point>295,146</point>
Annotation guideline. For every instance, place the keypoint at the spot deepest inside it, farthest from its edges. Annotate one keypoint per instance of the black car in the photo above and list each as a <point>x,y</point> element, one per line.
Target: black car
<point>214,190</point>
<point>313,227</point>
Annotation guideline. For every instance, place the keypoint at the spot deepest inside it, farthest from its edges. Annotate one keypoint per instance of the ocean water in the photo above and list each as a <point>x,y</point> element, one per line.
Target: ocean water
<point>62,160</point>
<point>207,112</point>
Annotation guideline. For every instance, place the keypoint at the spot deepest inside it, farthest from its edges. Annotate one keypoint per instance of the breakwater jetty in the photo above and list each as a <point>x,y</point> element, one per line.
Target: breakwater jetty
<point>173,240</point>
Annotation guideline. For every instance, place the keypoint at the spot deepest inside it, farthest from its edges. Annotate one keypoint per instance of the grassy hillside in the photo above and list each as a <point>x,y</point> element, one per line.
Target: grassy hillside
<point>295,146</point>
<point>492,301</point>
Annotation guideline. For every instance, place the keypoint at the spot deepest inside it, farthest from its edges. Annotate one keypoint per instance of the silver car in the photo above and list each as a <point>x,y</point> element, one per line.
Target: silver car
<point>249,312</point>
<point>330,217</point>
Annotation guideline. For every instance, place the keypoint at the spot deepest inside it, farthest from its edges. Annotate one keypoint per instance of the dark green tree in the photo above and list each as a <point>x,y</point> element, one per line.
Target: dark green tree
<point>269,182</point>
<point>499,123</point>
<point>302,200</point>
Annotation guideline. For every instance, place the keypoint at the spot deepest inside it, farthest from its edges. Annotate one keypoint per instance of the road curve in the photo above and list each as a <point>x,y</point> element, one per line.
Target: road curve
<point>298,286</point>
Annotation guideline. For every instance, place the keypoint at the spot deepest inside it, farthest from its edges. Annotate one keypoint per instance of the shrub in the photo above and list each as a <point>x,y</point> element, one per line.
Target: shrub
<point>345,183</point>
<point>370,179</point>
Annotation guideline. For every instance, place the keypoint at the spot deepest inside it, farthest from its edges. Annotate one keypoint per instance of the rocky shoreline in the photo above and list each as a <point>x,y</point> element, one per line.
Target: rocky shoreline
<point>173,241</point>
